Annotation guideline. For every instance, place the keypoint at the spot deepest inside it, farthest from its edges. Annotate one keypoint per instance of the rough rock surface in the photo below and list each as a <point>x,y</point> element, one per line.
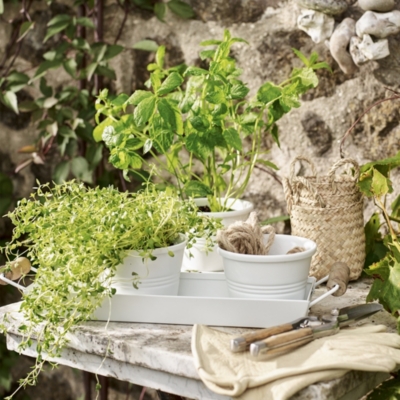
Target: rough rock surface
<point>330,7</point>
<point>377,5</point>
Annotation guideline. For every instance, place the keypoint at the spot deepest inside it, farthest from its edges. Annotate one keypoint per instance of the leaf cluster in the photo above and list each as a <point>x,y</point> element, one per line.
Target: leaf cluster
<point>77,236</point>
<point>382,245</point>
<point>197,116</point>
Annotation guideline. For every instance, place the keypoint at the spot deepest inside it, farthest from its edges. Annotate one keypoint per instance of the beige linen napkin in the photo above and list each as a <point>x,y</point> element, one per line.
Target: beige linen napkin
<point>367,348</point>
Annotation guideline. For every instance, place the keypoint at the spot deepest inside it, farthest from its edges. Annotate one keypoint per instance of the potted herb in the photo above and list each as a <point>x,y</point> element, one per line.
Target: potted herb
<point>197,125</point>
<point>203,135</point>
<point>78,237</point>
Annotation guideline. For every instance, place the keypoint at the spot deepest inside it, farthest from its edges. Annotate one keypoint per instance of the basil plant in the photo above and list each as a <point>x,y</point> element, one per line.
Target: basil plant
<point>194,125</point>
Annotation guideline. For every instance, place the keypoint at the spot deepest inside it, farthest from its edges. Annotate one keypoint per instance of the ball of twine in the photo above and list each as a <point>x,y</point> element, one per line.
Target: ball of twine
<point>246,237</point>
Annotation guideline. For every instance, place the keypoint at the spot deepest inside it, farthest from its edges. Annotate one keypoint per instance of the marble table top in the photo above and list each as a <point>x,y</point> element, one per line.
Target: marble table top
<point>159,355</point>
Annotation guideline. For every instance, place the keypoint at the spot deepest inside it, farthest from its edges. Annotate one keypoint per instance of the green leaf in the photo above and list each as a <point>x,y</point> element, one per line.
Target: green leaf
<point>144,111</point>
<point>181,9</point>
<point>80,169</point>
<point>1,7</point>
<point>197,189</point>
<point>120,100</point>
<point>45,66</point>
<point>84,21</point>
<point>159,11</point>
<point>146,45</point>
<point>200,123</point>
<point>70,66</point>
<point>385,288</point>
<point>98,130</point>
<point>105,71</point>
<point>395,206</point>
<point>267,163</point>
<point>11,101</point>
<point>232,138</point>
<point>59,18</point>
<point>24,29</point>
<point>46,90</point>
<point>162,140</point>
<point>268,93</point>
<point>196,71</point>
<point>61,172</point>
<point>302,57</point>
<point>90,70</point>
<point>170,114</point>
<point>207,54</point>
<point>17,77</point>
<point>160,56</point>
<point>147,146</point>
<point>308,77</point>
<point>138,96</point>
<point>200,145</point>
<point>238,91</point>
<point>215,96</point>
<point>210,42</point>
<point>50,102</point>
<point>172,81</point>
<point>112,51</point>
<point>57,27</point>
<point>275,134</point>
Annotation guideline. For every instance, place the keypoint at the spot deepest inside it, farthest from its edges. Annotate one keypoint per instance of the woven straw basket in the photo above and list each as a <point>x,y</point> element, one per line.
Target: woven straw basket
<point>328,210</point>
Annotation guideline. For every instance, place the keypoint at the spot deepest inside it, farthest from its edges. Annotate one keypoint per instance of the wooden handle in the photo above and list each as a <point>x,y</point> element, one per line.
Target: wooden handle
<point>282,342</point>
<point>339,275</point>
<point>20,266</point>
<point>242,343</point>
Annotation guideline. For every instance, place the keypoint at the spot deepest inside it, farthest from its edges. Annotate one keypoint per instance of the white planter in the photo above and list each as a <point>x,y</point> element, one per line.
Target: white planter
<point>275,276</point>
<point>212,261</point>
<point>158,277</point>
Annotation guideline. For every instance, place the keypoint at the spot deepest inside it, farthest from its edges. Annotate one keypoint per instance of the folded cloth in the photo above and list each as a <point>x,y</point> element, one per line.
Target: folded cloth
<point>277,377</point>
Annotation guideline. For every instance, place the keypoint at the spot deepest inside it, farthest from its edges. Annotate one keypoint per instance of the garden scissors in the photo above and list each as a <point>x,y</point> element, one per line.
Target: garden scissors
<point>301,331</point>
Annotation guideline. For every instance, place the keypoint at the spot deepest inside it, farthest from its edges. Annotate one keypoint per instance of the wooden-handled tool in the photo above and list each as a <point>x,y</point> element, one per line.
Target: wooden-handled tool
<point>290,340</point>
<point>17,268</point>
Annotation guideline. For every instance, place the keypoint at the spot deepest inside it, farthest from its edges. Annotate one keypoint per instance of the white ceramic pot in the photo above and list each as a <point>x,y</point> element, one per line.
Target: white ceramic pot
<point>275,276</point>
<point>211,261</point>
<point>158,277</point>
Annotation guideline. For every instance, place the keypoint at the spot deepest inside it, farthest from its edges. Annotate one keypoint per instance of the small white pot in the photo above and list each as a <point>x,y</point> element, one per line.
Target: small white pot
<point>158,277</point>
<point>275,276</point>
<point>212,261</point>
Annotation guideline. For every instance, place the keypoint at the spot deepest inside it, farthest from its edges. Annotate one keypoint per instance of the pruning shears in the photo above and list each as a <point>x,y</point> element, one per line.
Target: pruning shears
<point>301,331</point>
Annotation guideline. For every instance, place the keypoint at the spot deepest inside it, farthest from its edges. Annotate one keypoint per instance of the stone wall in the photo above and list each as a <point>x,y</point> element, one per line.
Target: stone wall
<point>271,29</point>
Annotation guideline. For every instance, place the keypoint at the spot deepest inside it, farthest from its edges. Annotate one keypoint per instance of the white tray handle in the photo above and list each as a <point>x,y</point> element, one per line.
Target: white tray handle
<point>12,283</point>
<point>328,293</point>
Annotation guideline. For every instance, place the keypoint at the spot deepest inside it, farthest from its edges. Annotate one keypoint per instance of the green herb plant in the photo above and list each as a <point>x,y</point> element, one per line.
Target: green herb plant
<point>196,123</point>
<point>74,235</point>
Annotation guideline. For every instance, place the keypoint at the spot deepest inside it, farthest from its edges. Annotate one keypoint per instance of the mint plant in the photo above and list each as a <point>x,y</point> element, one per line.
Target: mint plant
<point>196,123</point>
<point>77,236</point>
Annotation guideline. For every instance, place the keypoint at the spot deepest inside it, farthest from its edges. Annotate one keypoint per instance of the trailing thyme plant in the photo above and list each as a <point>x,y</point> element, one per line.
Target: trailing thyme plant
<point>75,235</point>
<point>209,135</point>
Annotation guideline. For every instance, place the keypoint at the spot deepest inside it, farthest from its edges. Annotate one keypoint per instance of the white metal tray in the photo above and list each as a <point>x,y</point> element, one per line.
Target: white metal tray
<point>203,299</point>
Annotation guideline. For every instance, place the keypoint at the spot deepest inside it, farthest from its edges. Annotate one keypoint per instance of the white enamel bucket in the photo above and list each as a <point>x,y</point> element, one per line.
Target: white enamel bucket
<point>274,276</point>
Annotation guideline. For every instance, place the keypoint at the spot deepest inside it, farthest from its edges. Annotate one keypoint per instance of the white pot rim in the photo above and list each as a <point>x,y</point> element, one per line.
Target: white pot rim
<point>238,206</point>
<point>311,248</point>
<point>162,250</point>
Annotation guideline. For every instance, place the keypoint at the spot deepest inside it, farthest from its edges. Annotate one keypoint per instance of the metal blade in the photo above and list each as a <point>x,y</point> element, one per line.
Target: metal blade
<point>350,314</point>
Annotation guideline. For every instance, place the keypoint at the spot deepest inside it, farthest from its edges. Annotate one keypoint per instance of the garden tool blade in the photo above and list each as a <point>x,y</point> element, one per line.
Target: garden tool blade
<point>350,314</point>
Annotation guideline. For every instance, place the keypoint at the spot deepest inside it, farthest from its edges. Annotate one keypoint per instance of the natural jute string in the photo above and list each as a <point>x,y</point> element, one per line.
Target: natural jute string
<point>247,237</point>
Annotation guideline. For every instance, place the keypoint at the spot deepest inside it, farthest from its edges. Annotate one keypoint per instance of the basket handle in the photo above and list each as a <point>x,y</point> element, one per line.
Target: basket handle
<point>344,161</point>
